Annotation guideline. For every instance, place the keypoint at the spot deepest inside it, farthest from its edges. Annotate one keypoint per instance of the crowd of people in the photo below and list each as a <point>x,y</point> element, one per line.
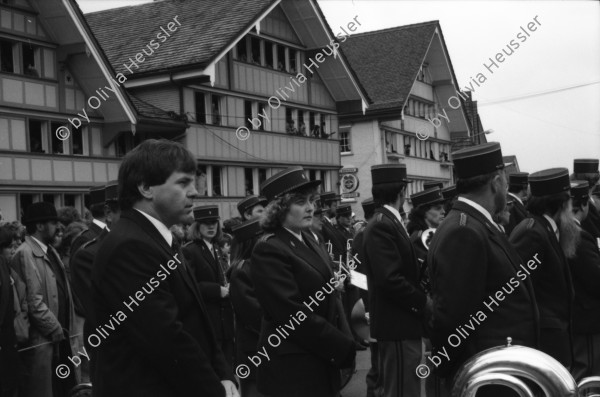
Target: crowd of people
<point>150,295</point>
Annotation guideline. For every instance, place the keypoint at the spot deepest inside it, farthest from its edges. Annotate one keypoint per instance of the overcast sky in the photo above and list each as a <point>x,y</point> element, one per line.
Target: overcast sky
<point>542,102</point>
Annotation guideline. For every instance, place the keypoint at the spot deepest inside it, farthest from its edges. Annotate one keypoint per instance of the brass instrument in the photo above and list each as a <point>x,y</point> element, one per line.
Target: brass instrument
<point>508,365</point>
<point>426,237</point>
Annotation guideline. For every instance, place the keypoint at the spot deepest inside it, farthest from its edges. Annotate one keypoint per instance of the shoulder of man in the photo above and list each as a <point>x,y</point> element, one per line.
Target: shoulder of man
<point>265,237</point>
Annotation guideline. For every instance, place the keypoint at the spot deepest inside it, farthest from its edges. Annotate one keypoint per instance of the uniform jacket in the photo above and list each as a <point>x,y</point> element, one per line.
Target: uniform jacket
<point>295,287</point>
<point>33,266</point>
<point>551,279</point>
<point>166,346</point>
<point>89,234</point>
<point>470,260</point>
<point>359,253</point>
<point>518,212</point>
<point>585,269</point>
<point>332,235</point>
<point>592,222</point>
<point>248,313</point>
<point>210,278</point>
<point>396,301</point>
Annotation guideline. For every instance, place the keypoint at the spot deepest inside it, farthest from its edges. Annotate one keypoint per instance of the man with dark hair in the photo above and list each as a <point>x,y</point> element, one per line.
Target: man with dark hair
<point>50,305</point>
<point>550,235</point>
<point>165,346</point>
<point>449,194</point>
<point>585,268</point>
<point>98,219</point>
<point>471,260</point>
<point>251,207</point>
<point>587,170</point>
<point>517,192</point>
<point>398,306</point>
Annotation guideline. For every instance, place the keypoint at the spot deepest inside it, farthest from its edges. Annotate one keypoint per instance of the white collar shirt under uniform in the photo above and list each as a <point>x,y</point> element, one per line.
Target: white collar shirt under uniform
<point>483,211</point>
<point>162,229</point>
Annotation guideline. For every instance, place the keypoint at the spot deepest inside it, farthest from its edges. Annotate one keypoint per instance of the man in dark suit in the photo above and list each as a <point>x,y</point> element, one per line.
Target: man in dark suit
<point>587,170</point>
<point>81,274</point>
<point>202,255</point>
<point>517,191</point>
<point>585,268</point>
<point>398,306</point>
<point>471,261</point>
<point>165,346</point>
<point>98,220</point>
<point>333,239</point>
<point>550,235</point>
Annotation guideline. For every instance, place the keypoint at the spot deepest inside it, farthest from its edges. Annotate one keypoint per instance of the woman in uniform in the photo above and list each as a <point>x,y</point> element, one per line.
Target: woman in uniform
<point>202,253</point>
<point>248,313</point>
<point>303,331</point>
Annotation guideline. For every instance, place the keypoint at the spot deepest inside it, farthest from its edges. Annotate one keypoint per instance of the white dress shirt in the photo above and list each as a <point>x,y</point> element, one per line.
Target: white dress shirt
<point>100,224</point>
<point>43,246</point>
<point>480,209</point>
<point>554,226</point>
<point>162,229</point>
<point>298,236</point>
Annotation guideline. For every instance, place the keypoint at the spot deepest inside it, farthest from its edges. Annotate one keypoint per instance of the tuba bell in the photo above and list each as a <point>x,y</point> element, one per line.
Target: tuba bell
<point>426,237</point>
<point>509,365</point>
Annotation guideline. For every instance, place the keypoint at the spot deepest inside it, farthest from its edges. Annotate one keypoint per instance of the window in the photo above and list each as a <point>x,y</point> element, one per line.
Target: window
<point>242,53</point>
<point>216,181</point>
<point>248,181</point>
<point>390,142</point>
<point>269,56</point>
<point>301,124</point>
<point>58,146</point>
<point>216,109</point>
<point>254,56</point>
<point>31,63</point>
<point>345,142</point>
<point>35,136</point>
<point>6,57</point>
<point>125,142</point>
<point>77,140</point>
<point>248,114</point>
<point>293,60</point>
<point>25,200</point>
<point>262,109</point>
<point>281,58</point>
<point>201,180</point>
<point>290,124</point>
<point>200,108</point>
<point>262,175</point>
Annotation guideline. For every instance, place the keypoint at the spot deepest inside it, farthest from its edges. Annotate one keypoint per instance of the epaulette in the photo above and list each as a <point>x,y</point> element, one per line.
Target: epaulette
<point>379,217</point>
<point>530,223</point>
<point>265,237</point>
<point>88,243</point>
<point>463,219</point>
<point>186,244</point>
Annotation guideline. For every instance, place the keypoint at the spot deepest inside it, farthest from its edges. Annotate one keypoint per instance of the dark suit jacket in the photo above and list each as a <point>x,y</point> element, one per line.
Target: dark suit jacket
<point>585,269</point>
<point>210,278</point>
<point>470,260</point>
<point>248,313</point>
<point>332,235</point>
<point>592,222</point>
<point>292,280</point>
<point>551,279</point>
<point>359,253</point>
<point>89,234</point>
<point>518,212</point>
<point>165,346</point>
<point>396,300</point>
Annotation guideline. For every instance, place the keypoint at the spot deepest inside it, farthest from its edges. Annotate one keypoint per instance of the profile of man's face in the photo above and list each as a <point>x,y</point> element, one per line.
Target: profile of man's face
<point>173,200</point>
<point>47,231</point>
<point>500,190</point>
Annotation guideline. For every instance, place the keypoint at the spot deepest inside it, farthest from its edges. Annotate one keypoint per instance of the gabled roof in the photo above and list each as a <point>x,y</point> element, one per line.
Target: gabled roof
<point>387,61</point>
<point>123,32</point>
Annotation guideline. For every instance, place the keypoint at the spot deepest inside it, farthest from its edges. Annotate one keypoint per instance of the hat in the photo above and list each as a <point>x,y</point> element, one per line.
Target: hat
<point>286,181</point>
<point>429,196</point>
<point>111,191</point>
<point>551,181</point>
<point>388,173</point>
<point>343,210</point>
<point>429,185</point>
<point>206,213</point>
<point>247,230</point>
<point>478,160</point>
<point>448,193</point>
<point>97,195</point>
<point>249,202</point>
<point>368,205</point>
<point>518,179</point>
<point>328,197</point>
<point>39,213</point>
<point>585,166</point>
<point>580,190</point>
